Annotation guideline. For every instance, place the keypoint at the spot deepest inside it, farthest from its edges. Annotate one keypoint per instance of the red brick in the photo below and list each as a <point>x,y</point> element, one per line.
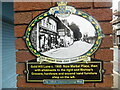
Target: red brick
<point>76,85</point>
<point>35,13</point>
<point>106,27</point>
<point>19,30</point>
<point>20,44</point>
<point>26,6</point>
<point>81,4</point>
<point>107,42</point>
<point>48,89</point>
<point>73,88</point>
<point>21,82</point>
<point>100,14</point>
<point>107,81</point>
<point>25,89</point>
<point>93,88</point>
<point>104,54</point>
<point>20,67</point>
<point>23,56</point>
<point>78,4</point>
<point>108,67</point>
<point>103,4</point>
<point>22,17</point>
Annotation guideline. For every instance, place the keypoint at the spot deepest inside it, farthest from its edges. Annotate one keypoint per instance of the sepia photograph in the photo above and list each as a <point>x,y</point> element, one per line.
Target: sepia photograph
<point>59,37</point>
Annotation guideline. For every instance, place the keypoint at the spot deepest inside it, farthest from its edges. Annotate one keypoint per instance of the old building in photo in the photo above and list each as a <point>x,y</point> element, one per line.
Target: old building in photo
<point>47,37</point>
<point>51,33</point>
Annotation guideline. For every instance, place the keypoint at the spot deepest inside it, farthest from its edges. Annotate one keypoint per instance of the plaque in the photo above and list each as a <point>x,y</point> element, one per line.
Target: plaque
<point>63,39</point>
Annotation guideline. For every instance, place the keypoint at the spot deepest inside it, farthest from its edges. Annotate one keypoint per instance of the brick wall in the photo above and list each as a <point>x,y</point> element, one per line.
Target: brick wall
<point>26,11</point>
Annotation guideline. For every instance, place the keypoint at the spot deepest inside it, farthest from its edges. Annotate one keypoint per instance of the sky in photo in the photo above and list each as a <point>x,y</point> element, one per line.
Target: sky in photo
<point>84,25</point>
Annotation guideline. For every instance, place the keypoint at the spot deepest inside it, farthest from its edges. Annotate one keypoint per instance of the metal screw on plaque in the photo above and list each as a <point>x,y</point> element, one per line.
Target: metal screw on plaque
<point>103,35</point>
<point>25,72</point>
<point>24,37</point>
<point>103,71</point>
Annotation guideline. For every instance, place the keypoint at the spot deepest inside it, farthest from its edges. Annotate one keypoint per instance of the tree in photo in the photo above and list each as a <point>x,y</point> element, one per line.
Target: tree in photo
<point>76,31</point>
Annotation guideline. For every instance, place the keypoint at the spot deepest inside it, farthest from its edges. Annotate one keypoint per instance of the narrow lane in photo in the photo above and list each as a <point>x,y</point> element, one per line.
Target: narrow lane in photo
<point>78,48</point>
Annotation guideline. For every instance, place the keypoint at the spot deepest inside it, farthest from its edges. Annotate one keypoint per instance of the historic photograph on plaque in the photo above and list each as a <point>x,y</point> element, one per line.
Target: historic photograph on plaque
<point>63,39</point>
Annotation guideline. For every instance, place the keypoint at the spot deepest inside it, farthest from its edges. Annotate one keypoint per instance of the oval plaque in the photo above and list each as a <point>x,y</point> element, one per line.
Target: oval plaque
<point>63,35</point>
